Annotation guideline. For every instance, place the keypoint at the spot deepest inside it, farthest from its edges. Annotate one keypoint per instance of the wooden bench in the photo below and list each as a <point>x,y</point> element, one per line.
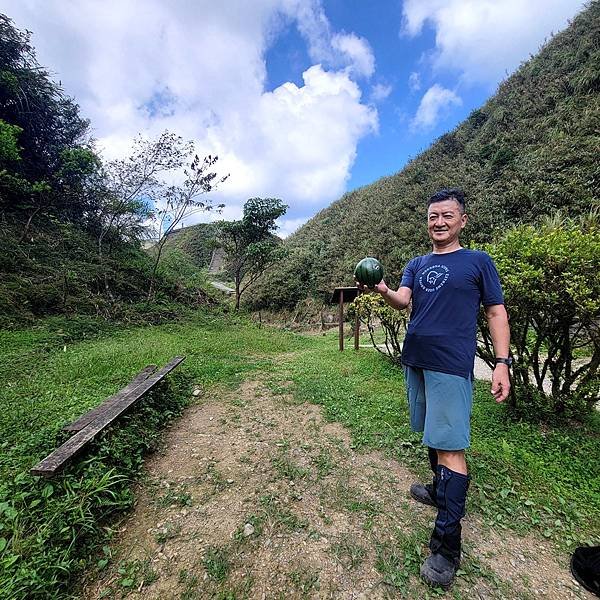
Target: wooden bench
<point>93,422</point>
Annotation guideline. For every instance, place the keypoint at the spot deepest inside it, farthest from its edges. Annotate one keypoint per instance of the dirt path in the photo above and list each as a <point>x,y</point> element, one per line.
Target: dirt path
<point>258,497</point>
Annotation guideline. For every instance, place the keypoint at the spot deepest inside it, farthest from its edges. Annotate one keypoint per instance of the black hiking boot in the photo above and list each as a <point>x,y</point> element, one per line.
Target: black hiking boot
<point>425,494</point>
<point>438,571</point>
<point>585,566</point>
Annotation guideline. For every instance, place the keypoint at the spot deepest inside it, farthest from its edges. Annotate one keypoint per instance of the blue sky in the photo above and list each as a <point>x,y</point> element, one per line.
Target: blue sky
<point>300,99</point>
<point>397,57</point>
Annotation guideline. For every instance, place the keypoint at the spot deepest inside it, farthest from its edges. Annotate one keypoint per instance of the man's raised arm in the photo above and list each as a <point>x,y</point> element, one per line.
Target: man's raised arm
<point>399,299</point>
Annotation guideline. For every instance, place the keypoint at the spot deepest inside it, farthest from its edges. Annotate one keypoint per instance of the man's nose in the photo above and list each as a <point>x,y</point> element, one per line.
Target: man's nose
<point>439,220</point>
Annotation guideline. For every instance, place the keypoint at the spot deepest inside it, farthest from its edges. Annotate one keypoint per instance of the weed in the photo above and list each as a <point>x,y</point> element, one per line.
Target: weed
<point>283,444</point>
<point>287,468</point>
<point>343,495</point>
<point>216,563</point>
<point>348,552</point>
<point>277,515</point>
<point>135,574</point>
<point>174,496</point>
<point>166,533</point>
<point>304,580</point>
<point>238,592</point>
<point>190,584</point>
<point>397,561</point>
<point>215,477</point>
<point>323,462</point>
<point>257,521</point>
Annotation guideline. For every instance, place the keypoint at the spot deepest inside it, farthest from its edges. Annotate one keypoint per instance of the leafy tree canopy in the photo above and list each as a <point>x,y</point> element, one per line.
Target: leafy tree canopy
<point>250,244</point>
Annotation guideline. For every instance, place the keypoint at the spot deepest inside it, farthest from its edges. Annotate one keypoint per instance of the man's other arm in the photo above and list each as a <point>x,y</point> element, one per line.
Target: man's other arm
<point>500,331</point>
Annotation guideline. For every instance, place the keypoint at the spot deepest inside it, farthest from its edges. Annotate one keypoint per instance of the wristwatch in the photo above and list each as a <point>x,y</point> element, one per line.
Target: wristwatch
<point>503,361</point>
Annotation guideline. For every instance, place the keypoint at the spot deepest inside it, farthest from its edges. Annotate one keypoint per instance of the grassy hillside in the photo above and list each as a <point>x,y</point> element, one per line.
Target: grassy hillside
<point>195,242</point>
<point>531,149</point>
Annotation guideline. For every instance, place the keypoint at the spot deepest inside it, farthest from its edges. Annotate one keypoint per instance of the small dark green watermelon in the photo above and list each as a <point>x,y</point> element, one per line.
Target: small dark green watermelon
<point>369,272</point>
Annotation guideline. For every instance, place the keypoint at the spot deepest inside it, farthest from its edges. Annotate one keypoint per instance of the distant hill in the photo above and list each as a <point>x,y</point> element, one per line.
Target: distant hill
<point>196,242</point>
<point>529,150</point>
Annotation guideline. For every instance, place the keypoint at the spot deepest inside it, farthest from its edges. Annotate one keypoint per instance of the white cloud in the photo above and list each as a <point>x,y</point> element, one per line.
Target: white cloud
<point>336,50</point>
<point>380,91</point>
<point>199,70</point>
<point>288,226</point>
<point>301,139</point>
<point>358,53</point>
<point>414,82</point>
<point>485,39</point>
<point>436,102</point>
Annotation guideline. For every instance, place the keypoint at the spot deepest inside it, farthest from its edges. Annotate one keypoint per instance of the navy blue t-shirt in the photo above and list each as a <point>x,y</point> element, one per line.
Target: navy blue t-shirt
<point>447,290</point>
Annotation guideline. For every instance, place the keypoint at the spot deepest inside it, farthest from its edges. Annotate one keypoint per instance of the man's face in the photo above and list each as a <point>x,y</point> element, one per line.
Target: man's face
<point>445,221</point>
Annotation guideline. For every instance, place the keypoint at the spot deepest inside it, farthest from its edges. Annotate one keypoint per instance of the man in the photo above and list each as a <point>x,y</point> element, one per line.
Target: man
<point>446,288</point>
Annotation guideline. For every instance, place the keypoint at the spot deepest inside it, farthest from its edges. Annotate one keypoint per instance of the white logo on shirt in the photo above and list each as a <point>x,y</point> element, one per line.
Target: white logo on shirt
<point>434,277</point>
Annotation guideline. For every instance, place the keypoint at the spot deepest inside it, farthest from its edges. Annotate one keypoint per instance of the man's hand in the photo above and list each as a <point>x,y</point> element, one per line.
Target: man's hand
<point>380,287</point>
<point>396,299</point>
<point>500,383</point>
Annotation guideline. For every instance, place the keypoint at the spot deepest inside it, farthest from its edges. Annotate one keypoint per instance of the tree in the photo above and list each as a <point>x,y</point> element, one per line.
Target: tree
<point>181,201</point>
<point>552,291</point>
<point>133,185</point>
<point>250,245</point>
<point>130,187</point>
<point>46,123</point>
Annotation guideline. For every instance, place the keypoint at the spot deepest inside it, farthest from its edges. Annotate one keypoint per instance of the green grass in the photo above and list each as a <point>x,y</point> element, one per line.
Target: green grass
<point>217,563</point>
<point>524,477</point>
<point>305,581</point>
<point>287,468</point>
<point>348,551</point>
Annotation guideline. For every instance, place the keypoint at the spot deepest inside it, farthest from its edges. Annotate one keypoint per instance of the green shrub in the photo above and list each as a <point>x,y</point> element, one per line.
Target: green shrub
<point>372,310</point>
<point>552,291</point>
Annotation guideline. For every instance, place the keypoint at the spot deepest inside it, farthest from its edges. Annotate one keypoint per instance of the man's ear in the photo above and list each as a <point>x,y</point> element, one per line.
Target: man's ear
<point>464,218</point>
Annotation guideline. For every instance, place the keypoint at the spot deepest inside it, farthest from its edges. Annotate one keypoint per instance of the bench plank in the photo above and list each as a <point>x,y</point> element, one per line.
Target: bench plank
<point>90,416</point>
<point>55,461</point>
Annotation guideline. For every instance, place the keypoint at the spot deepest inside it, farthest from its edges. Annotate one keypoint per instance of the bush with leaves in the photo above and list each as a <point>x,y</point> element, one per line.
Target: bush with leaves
<point>372,310</point>
<point>552,291</point>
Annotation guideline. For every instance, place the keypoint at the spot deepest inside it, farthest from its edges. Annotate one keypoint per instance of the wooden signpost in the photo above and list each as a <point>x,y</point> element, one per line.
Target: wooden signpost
<point>341,295</point>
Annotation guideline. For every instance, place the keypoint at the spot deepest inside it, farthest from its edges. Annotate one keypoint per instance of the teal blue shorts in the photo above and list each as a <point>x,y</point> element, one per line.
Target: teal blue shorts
<point>440,406</point>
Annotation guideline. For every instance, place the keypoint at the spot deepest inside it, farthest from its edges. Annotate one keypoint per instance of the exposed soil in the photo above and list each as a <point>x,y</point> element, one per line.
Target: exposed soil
<point>255,496</point>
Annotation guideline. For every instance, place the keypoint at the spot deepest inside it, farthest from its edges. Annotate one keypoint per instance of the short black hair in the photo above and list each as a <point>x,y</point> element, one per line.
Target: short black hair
<point>449,194</point>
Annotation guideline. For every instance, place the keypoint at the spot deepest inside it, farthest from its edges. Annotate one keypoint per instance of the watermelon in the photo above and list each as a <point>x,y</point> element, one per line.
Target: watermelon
<point>369,272</point>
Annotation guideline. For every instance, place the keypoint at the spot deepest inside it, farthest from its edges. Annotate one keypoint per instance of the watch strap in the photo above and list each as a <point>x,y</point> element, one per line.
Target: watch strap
<point>503,361</point>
